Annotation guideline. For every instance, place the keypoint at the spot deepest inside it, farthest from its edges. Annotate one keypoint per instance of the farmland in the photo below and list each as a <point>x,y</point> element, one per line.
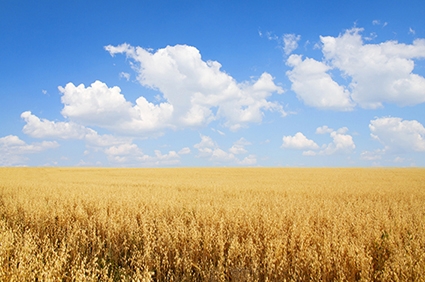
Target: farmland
<point>212,224</point>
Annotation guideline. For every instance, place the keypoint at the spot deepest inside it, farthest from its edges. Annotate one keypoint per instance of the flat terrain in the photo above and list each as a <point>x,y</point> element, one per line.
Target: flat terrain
<point>212,224</point>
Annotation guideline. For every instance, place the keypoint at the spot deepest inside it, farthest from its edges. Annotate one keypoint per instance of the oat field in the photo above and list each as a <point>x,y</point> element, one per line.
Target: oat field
<point>212,224</point>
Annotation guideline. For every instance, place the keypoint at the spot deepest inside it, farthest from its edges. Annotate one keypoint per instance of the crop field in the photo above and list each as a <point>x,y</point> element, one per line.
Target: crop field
<point>212,224</point>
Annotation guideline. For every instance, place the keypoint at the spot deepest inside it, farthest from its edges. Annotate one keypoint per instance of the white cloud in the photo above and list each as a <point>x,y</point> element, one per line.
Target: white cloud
<point>371,37</point>
<point>194,88</point>
<point>43,128</point>
<point>378,22</point>
<point>132,155</point>
<point>184,151</point>
<point>95,105</point>
<point>271,36</point>
<point>342,130</point>
<point>298,142</point>
<point>250,160</point>
<point>218,131</point>
<point>123,149</point>
<point>371,156</point>
<point>411,31</point>
<point>11,141</point>
<point>206,142</point>
<point>323,130</point>
<point>220,156</point>
<point>195,93</point>
<point>49,129</point>
<point>309,153</point>
<point>209,149</point>
<point>239,147</point>
<point>172,158</point>
<point>125,75</point>
<point>342,143</point>
<point>398,136</point>
<point>94,139</point>
<point>84,163</point>
<point>18,146</point>
<point>290,42</point>
<point>13,149</point>
<point>118,149</point>
<point>399,160</point>
<point>170,155</point>
<point>380,73</point>
<point>375,73</point>
<point>107,107</point>
<point>315,87</point>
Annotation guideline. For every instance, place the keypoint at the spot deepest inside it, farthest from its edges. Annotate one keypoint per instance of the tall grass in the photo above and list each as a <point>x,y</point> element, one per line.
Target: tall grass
<point>212,224</point>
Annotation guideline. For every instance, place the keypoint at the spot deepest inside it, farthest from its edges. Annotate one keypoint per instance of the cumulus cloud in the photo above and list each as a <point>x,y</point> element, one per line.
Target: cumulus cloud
<point>323,130</point>
<point>290,43</point>
<point>124,152</point>
<point>43,128</point>
<point>123,149</point>
<point>342,130</point>
<point>125,75</point>
<point>208,148</point>
<point>239,147</point>
<point>131,155</point>
<point>298,142</point>
<point>398,135</point>
<point>193,93</point>
<point>106,107</point>
<point>315,87</point>
<point>377,73</point>
<point>371,156</point>
<point>342,144</point>
<point>184,151</point>
<point>198,92</point>
<point>13,150</point>
<point>380,73</point>
<point>105,140</point>
<point>399,160</point>
<point>94,105</point>
<point>118,149</point>
<point>309,153</point>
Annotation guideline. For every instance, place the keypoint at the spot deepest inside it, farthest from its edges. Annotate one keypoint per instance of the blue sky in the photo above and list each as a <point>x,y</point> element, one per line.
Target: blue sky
<point>212,83</point>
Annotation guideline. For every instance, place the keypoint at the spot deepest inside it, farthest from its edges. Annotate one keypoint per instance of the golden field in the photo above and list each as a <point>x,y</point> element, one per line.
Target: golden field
<point>212,224</point>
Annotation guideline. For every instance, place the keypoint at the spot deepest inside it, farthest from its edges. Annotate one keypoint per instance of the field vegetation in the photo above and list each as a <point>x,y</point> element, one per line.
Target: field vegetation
<point>212,224</point>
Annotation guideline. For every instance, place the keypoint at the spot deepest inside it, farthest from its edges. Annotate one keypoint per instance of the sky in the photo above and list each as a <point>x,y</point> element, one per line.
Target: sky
<point>212,83</point>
